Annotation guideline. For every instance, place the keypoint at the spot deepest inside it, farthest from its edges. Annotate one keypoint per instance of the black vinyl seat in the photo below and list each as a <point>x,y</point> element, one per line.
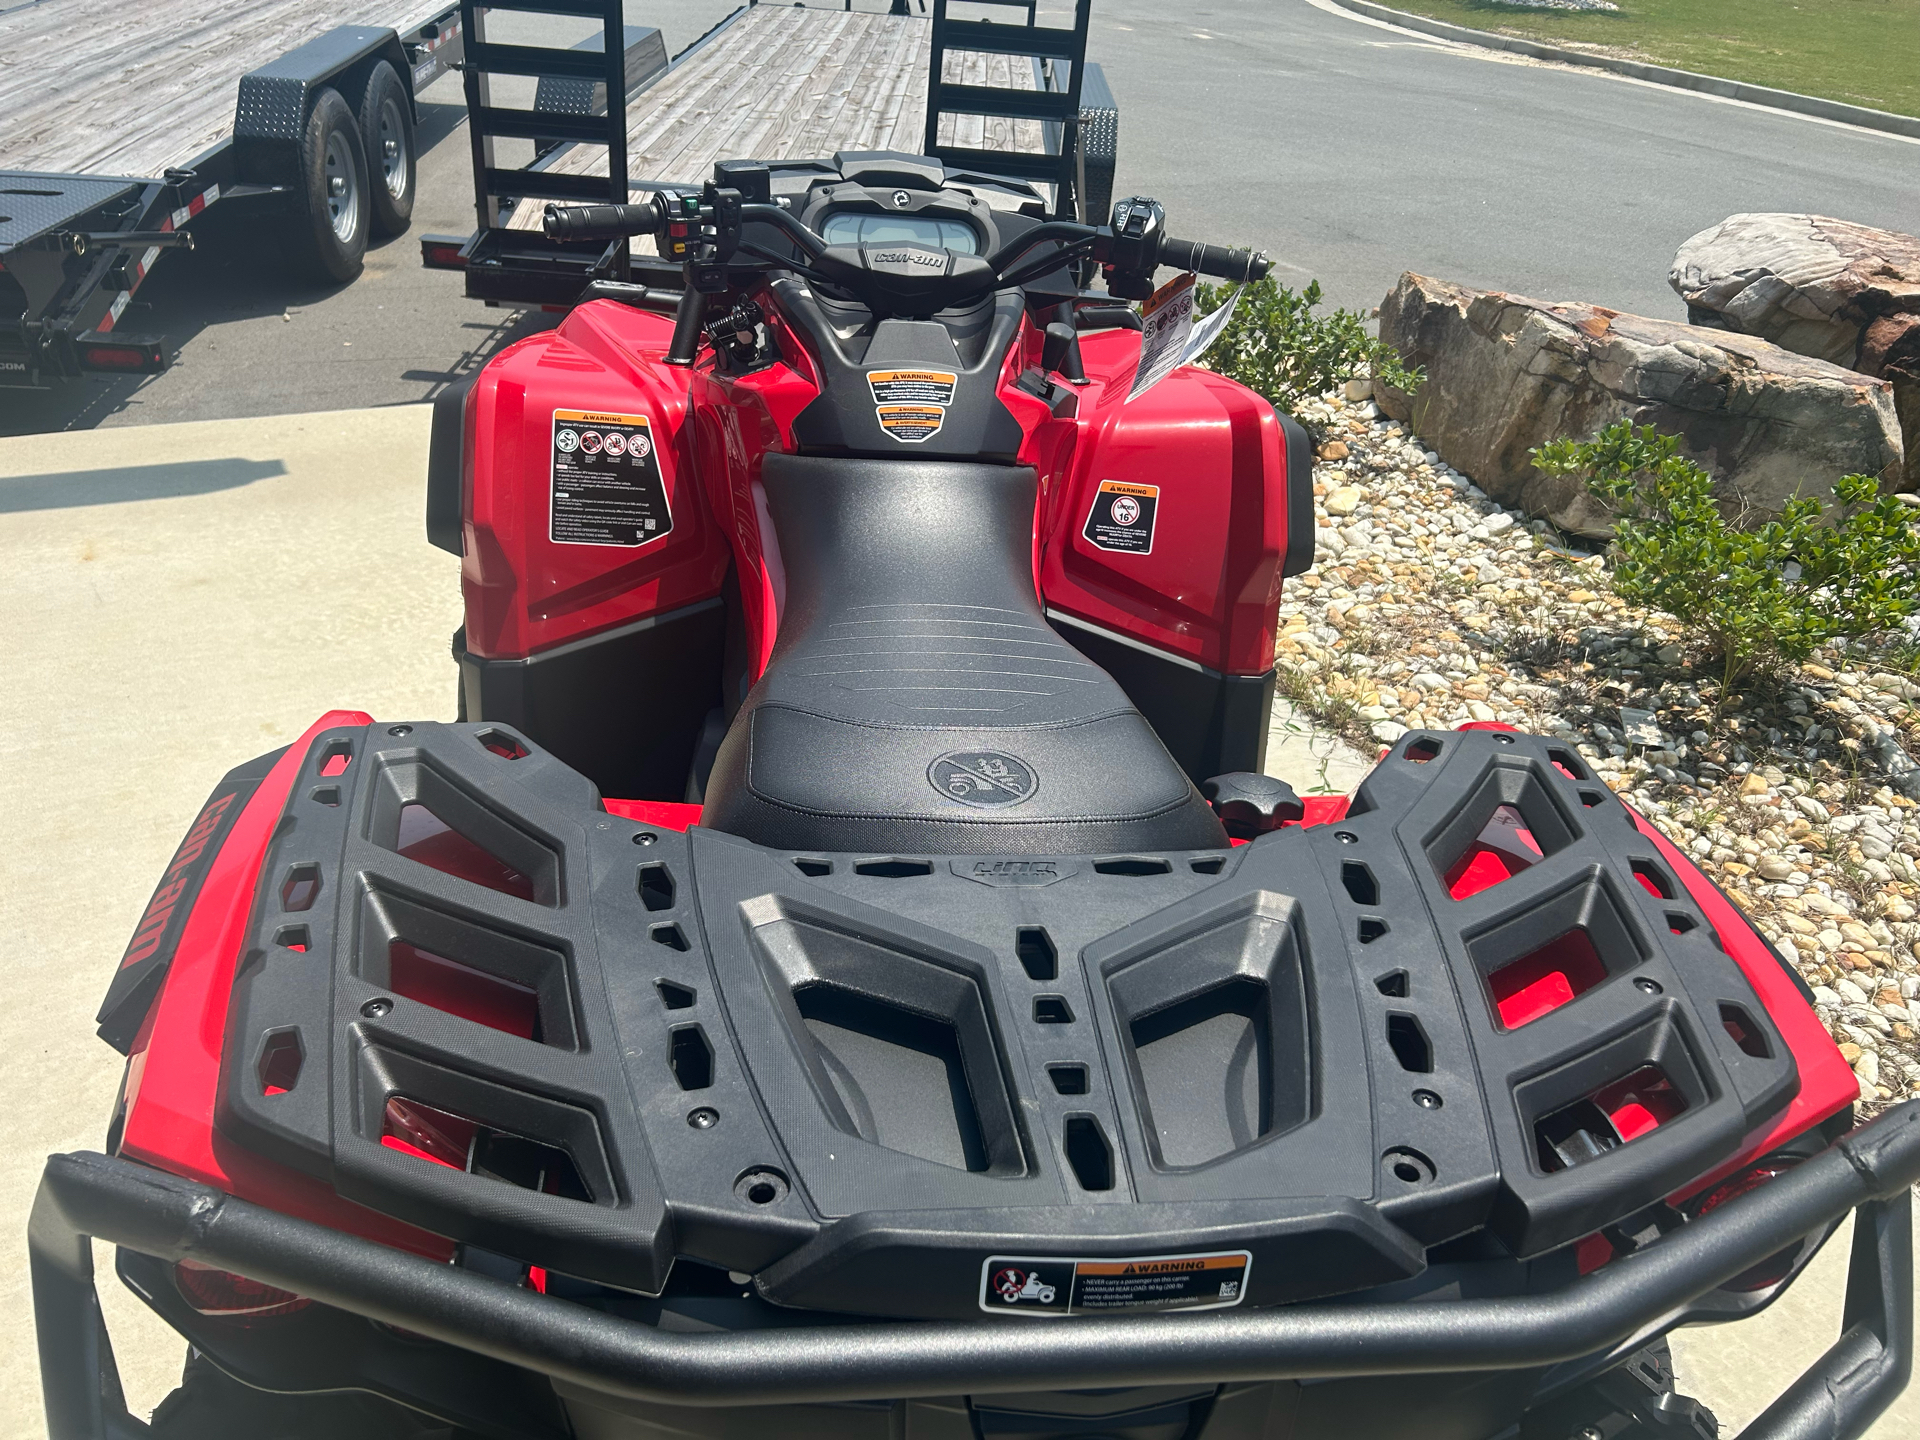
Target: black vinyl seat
<point>917,700</point>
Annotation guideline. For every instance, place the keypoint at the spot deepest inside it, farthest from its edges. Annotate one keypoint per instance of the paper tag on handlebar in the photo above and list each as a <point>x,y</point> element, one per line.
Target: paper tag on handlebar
<point>1166,320</point>
<point>1178,340</point>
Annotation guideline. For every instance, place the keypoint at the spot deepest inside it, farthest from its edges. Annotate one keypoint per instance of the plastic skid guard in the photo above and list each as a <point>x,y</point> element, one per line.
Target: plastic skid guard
<point>474,1000</point>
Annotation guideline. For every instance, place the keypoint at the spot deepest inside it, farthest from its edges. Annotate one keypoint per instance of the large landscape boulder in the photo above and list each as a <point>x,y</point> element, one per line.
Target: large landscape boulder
<point>1827,288</point>
<point>1505,374</point>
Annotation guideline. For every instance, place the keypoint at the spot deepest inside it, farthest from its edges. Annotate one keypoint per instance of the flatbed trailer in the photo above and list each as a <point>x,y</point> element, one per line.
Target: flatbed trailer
<point>119,123</point>
<point>1015,104</point>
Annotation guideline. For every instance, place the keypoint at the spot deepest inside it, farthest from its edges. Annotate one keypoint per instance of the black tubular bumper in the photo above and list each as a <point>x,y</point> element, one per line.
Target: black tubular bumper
<point>88,1195</point>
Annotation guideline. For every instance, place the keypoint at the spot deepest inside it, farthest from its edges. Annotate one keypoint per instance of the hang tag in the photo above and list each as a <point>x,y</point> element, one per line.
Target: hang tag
<point>1170,337</point>
<point>1166,324</point>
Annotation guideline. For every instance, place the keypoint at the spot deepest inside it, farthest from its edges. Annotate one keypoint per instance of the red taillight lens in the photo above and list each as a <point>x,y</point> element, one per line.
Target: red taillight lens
<point>1775,1268</point>
<point>227,1296</point>
<point>143,356</point>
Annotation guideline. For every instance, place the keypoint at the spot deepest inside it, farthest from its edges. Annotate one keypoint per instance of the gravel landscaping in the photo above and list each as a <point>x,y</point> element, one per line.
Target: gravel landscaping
<point>1429,606</point>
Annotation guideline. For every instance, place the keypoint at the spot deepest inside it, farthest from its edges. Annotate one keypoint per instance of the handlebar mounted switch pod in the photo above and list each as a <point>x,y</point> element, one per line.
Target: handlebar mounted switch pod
<point>1133,254</point>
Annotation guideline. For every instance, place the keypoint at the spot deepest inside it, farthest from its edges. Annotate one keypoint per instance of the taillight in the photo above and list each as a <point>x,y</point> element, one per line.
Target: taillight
<point>1775,1268</point>
<point>227,1296</point>
<point>146,357</point>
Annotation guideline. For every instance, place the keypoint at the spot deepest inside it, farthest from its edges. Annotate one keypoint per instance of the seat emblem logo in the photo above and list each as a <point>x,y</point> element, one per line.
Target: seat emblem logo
<point>986,779</point>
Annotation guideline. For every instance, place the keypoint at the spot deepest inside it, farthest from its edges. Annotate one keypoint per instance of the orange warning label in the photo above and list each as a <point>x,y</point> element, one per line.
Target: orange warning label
<point>925,387</point>
<point>1059,1285</point>
<point>911,423</point>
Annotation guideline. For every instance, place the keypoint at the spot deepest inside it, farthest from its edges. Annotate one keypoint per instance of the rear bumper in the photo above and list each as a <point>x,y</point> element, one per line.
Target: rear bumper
<point>1870,1171</point>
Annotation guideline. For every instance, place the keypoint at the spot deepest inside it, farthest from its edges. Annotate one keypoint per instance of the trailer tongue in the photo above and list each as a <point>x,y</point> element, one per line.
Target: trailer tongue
<point>125,122</point>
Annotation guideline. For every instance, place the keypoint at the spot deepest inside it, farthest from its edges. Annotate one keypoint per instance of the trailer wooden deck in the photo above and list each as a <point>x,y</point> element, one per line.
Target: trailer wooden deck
<point>135,87</point>
<point>784,83</point>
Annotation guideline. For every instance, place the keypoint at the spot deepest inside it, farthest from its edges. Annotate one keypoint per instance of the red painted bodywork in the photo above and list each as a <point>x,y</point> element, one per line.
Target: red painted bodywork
<point>173,1068</point>
<point>1207,591</point>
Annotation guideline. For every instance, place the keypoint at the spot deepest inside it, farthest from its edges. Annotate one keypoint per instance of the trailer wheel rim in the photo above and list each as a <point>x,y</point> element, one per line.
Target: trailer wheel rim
<point>393,148</point>
<point>343,188</point>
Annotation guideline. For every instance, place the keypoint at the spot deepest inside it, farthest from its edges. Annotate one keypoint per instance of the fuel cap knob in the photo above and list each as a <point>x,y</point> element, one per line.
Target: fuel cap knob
<point>1250,805</point>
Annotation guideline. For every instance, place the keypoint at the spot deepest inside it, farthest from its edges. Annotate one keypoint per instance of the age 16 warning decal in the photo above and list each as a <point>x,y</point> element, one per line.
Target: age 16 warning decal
<point>1016,1285</point>
<point>607,488</point>
<point>1122,516</point>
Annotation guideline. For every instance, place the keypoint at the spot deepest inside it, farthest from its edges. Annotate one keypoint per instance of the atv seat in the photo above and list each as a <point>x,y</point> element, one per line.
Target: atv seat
<point>917,699</point>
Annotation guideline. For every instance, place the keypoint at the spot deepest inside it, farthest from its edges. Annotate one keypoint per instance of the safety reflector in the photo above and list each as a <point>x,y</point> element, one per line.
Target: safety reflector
<point>228,1296</point>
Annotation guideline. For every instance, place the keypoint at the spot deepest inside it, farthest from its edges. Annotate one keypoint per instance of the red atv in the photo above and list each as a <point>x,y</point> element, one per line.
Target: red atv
<point>946,1013</point>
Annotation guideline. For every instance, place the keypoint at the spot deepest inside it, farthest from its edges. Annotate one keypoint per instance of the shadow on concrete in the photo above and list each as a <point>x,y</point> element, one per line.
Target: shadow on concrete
<point>71,489</point>
<point>238,270</point>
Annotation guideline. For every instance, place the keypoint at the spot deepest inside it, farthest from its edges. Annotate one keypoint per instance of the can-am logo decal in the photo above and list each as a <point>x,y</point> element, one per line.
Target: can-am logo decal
<point>986,779</point>
<point>924,259</point>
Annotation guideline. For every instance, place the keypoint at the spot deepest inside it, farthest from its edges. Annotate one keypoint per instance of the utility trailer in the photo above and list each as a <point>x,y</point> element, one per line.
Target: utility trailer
<point>1010,105</point>
<point>120,123</point>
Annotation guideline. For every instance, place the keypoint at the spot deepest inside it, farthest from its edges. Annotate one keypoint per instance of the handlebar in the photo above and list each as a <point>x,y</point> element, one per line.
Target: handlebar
<point>1218,261</point>
<point>600,222</point>
<point>655,215</point>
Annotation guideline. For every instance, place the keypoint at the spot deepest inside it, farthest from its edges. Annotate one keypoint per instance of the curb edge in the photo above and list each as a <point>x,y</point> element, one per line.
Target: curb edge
<point>1860,115</point>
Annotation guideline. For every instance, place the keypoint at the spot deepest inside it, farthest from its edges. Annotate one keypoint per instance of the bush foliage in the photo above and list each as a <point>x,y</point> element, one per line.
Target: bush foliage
<point>1754,596</point>
<point>1277,346</point>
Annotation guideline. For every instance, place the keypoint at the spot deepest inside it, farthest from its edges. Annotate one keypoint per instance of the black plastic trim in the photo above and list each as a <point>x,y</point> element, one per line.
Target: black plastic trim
<point>446,456</point>
<point>1211,723</point>
<point>90,1195</point>
<point>600,703</point>
<point>1300,521</point>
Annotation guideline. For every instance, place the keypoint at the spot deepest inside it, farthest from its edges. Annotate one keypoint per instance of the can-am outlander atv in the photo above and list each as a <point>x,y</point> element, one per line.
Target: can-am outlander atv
<point>845,976</point>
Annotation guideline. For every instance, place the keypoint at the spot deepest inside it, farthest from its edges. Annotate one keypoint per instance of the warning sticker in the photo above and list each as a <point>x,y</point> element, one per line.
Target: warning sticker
<point>925,387</point>
<point>910,424</point>
<point>1022,1286</point>
<point>607,488</point>
<point>1122,516</point>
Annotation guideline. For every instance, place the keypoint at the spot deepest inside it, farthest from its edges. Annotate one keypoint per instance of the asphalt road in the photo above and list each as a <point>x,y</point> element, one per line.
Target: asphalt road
<point>1348,151</point>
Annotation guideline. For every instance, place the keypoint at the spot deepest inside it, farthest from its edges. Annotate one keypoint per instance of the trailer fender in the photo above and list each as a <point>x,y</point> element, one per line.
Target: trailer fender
<point>270,118</point>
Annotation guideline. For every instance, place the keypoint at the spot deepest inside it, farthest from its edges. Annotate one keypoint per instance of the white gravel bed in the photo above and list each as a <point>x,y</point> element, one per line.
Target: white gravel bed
<point>1429,605</point>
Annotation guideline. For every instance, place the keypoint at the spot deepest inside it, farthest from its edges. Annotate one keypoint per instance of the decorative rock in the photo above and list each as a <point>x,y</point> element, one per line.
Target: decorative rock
<point>1827,288</point>
<point>1505,374</point>
<point>1345,500</point>
<point>1772,867</point>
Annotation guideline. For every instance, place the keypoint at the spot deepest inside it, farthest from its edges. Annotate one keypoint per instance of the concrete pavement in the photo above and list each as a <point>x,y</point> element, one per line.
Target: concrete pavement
<point>177,601</point>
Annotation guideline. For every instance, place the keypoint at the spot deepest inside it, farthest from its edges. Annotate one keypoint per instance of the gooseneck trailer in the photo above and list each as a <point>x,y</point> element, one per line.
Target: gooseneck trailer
<point>121,123</point>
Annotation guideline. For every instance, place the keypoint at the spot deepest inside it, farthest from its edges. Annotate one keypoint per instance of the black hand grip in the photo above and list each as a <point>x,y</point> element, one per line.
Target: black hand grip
<point>1215,260</point>
<point>600,222</point>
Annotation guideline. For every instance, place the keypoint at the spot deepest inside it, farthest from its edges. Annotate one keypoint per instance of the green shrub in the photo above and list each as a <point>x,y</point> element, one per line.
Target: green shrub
<point>1277,346</point>
<point>1753,596</point>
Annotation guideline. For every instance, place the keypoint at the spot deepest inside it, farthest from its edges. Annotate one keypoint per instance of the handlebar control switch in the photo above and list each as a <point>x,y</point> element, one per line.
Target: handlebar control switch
<point>1250,805</point>
<point>1139,225</point>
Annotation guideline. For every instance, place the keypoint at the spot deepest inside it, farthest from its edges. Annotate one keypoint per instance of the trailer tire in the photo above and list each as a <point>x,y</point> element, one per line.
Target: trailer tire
<point>331,219</point>
<point>386,119</point>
